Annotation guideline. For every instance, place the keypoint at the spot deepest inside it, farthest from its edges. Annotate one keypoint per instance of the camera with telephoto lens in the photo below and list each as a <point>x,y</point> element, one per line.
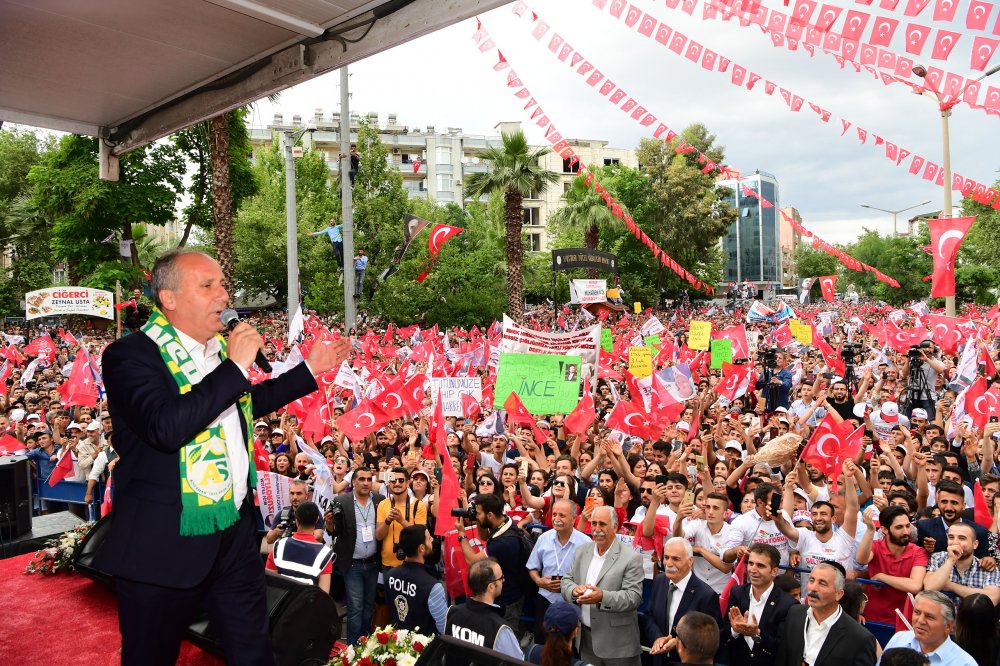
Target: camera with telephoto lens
<point>769,357</point>
<point>468,513</point>
<point>915,353</point>
<point>850,351</point>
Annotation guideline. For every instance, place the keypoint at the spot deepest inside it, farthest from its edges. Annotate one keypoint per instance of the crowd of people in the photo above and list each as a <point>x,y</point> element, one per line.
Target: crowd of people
<point>599,545</point>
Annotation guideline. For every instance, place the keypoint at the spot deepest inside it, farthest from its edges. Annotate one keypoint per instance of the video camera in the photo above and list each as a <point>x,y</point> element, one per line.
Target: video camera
<point>916,352</point>
<point>769,357</point>
<point>850,352</point>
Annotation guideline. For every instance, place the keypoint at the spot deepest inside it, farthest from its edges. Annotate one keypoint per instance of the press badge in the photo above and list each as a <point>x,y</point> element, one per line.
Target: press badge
<point>366,534</point>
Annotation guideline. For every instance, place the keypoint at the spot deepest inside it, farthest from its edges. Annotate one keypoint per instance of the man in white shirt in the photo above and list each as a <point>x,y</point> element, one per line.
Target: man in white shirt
<point>756,526</point>
<point>706,536</point>
<point>824,543</point>
<point>933,620</point>
<point>552,557</point>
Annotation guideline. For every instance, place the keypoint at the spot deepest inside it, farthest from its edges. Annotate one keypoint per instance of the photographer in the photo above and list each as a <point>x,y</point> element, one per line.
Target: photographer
<point>503,543</point>
<point>300,556</point>
<point>920,374</point>
<point>776,380</point>
<point>284,522</point>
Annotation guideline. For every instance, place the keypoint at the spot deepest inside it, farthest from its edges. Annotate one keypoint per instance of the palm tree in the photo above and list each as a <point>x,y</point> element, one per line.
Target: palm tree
<point>586,208</point>
<point>514,172</point>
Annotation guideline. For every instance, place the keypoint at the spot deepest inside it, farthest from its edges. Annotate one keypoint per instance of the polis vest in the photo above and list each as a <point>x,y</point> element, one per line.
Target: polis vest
<point>407,589</point>
<point>300,560</point>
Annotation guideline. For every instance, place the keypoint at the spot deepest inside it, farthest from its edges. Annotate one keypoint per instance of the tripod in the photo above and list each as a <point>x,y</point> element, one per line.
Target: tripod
<point>918,393</point>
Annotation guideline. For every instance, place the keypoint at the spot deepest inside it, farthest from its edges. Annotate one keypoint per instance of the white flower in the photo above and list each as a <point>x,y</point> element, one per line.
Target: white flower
<point>405,660</point>
<point>401,635</point>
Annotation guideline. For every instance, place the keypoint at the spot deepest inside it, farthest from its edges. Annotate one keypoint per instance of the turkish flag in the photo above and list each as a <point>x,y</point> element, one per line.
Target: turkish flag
<point>10,445</point>
<point>738,336</point>
<point>828,283</point>
<point>944,42</point>
<point>518,414</point>
<point>317,418</point>
<point>261,459</point>
<point>733,380</point>
<point>62,469</point>
<point>42,346</point>
<point>392,402</point>
<point>631,418</point>
<point>582,416</point>
<point>901,339</point>
<point>982,509</point>
<point>456,570</point>
<point>783,335</point>
<point>980,404</point>
<point>439,234</point>
<point>662,406</point>
<point>982,50</point>
<point>916,37</point>
<point>68,338</point>
<point>80,388</point>
<point>413,393</point>
<point>361,421</point>
<point>449,480</point>
<point>470,406</point>
<point>944,10</point>
<point>736,578</point>
<point>823,448</point>
<point>945,331</point>
<point>947,235</point>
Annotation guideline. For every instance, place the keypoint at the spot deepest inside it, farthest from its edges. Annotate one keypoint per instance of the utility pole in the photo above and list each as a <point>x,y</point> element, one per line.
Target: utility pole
<point>291,227</point>
<point>350,307</point>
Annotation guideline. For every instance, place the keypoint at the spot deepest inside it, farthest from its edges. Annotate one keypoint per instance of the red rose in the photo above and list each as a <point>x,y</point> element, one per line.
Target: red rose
<point>364,661</point>
<point>382,637</point>
<point>389,662</point>
<point>418,646</point>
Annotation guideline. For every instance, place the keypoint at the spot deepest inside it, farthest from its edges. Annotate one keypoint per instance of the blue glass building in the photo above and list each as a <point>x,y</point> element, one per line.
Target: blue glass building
<point>753,244</point>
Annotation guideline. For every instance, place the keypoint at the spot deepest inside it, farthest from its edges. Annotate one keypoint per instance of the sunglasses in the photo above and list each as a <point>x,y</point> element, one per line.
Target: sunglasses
<point>559,483</point>
<point>341,461</point>
<point>394,481</point>
<point>645,491</point>
<point>488,482</point>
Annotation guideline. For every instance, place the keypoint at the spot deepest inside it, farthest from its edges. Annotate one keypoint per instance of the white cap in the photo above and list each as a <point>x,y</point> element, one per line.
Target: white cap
<point>733,444</point>
<point>34,417</point>
<point>259,424</point>
<point>890,412</point>
<point>277,431</point>
<point>919,413</point>
<point>684,425</point>
<point>74,424</point>
<point>17,415</point>
<point>93,425</point>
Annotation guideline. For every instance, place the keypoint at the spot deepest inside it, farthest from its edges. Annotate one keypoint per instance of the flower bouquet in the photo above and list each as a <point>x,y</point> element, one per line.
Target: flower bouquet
<point>58,553</point>
<point>385,647</point>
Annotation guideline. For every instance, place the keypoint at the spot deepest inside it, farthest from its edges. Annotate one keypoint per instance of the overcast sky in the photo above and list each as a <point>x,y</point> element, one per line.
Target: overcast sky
<point>443,80</point>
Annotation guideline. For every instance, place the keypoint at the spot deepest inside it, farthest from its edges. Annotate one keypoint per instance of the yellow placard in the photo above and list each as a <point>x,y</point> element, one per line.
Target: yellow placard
<point>801,332</point>
<point>700,334</point>
<point>640,361</point>
<point>637,306</point>
<point>613,293</point>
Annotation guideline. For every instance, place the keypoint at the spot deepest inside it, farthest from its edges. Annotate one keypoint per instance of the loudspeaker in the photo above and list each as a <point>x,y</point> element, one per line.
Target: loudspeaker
<point>15,497</point>
<point>84,558</point>
<point>303,619</point>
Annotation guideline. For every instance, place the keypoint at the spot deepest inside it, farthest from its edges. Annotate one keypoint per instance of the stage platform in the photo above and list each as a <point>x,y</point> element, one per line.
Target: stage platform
<point>43,528</point>
<point>65,618</point>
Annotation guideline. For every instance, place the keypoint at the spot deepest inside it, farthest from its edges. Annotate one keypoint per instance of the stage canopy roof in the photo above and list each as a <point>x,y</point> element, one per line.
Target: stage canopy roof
<point>133,71</point>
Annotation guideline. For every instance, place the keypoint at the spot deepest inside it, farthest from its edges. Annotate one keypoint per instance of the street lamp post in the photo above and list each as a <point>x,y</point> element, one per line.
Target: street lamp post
<point>945,106</point>
<point>894,213</point>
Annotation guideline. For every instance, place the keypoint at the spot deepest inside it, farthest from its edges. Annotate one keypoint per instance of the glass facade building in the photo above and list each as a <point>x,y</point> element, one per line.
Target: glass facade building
<point>753,244</point>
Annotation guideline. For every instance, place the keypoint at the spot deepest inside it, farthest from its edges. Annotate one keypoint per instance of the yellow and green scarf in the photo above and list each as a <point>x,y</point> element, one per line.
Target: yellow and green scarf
<point>207,504</point>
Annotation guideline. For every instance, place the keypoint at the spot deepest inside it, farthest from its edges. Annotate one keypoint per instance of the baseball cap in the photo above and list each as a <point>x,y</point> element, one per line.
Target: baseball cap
<point>260,424</point>
<point>74,424</point>
<point>17,415</point>
<point>781,409</point>
<point>890,412</point>
<point>34,417</point>
<point>421,472</point>
<point>802,516</point>
<point>859,409</point>
<point>684,425</point>
<point>93,425</point>
<point>326,439</point>
<point>277,431</point>
<point>919,413</point>
<point>733,444</point>
<point>561,618</point>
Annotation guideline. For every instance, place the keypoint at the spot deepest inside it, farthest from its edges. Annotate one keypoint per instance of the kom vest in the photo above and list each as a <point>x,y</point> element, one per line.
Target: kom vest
<point>407,589</point>
<point>300,560</point>
<point>474,622</point>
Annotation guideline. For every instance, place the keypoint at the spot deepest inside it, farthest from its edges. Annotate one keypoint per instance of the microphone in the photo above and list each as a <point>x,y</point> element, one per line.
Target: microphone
<point>229,319</point>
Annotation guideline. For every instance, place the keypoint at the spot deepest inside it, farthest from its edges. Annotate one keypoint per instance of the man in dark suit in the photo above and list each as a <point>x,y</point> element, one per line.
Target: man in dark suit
<point>183,535</point>
<point>351,520</point>
<point>755,617</point>
<point>675,592</point>
<point>932,533</point>
<point>820,633</point>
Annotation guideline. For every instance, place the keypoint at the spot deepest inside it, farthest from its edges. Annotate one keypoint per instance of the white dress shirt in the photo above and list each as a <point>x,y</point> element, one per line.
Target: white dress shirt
<point>206,359</point>
<point>596,562</point>
<point>756,609</point>
<point>675,599</point>
<point>816,633</point>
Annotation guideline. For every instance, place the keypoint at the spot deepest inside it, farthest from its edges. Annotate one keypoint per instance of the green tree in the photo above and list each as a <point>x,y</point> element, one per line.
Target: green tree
<point>899,258</point>
<point>85,210</point>
<point>514,171</point>
<point>813,263</point>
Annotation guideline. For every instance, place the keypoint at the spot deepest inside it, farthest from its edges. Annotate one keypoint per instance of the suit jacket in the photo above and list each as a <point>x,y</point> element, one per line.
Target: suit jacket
<point>847,644</point>
<point>771,623</point>
<point>613,623</point>
<point>345,529</point>
<point>152,422</point>
<point>697,596</point>
<point>934,528</point>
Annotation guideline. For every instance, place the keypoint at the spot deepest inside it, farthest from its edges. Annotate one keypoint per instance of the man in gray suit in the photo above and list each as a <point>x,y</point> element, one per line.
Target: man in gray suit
<point>606,581</point>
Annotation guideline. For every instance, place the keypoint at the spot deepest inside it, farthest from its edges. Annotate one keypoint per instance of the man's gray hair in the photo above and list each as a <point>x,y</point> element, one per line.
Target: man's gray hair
<point>613,515</point>
<point>688,550</point>
<point>165,273</point>
<point>839,580</point>
<point>298,482</point>
<point>942,600</point>
<point>569,503</point>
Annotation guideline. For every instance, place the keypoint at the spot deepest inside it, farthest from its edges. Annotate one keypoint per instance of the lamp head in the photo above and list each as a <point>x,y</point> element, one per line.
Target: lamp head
<point>920,71</point>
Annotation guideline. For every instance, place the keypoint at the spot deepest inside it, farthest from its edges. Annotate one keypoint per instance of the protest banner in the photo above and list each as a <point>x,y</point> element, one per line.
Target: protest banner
<point>652,341</point>
<point>588,291</point>
<point>545,383</point>
<point>677,378</point>
<point>607,340</point>
<point>272,489</point>
<point>637,306</point>
<point>451,390</point>
<point>640,361</point>
<point>652,326</point>
<point>699,335</point>
<point>722,352</point>
<point>801,332</point>
<point>585,343</point>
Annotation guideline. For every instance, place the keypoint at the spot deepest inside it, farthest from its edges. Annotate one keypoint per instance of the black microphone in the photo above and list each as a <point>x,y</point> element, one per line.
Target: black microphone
<point>229,319</point>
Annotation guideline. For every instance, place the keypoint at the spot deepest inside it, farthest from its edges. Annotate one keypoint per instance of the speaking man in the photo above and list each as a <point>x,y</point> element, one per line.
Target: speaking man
<point>183,535</point>
<point>606,581</point>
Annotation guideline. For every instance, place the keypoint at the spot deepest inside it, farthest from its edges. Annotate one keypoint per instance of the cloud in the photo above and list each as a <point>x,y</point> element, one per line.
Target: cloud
<point>443,80</point>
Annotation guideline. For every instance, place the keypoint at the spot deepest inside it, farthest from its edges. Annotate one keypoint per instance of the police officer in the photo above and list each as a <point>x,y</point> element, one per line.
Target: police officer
<point>299,556</point>
<point>416,599</point>
<point>480,620</point>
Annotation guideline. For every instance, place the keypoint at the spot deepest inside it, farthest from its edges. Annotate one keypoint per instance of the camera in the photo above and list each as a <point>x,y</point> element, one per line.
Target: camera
<point>469,513</point>
<point>769,357</point>
<point>915,353</point>
<point>849,352</point>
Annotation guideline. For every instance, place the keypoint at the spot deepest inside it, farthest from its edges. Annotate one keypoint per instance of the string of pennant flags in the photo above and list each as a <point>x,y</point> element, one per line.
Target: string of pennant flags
<point>561,146</point>
<point>679,44</point>
<point>562,50</point>
<point>793,30</point>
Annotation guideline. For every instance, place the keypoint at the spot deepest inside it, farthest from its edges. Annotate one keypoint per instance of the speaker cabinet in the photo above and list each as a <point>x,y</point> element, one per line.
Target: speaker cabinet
<point>15,497</point>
